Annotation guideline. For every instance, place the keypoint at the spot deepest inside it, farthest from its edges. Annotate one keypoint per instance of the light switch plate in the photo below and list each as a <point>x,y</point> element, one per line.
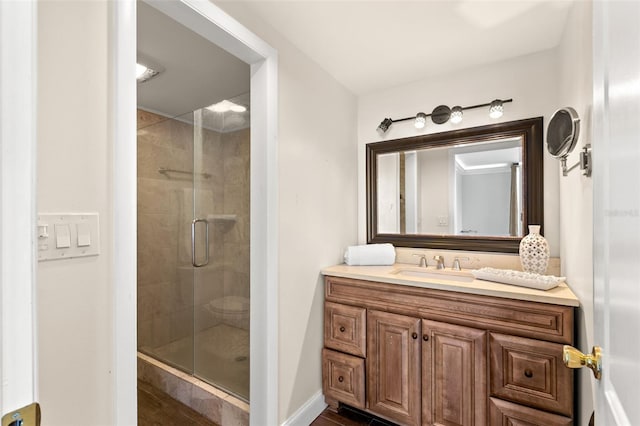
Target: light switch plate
<point>84,235</point>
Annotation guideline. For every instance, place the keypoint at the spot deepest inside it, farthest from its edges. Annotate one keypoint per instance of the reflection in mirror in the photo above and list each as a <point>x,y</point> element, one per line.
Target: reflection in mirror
<point>475,189</point>
<point>469,188</point>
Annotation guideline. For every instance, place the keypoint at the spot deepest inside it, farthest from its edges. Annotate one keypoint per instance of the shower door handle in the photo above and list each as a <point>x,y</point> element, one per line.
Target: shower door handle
<point>194,261</point>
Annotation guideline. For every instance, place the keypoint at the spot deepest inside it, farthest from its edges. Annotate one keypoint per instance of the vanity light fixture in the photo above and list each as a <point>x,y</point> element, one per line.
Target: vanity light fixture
<point>442,113</point>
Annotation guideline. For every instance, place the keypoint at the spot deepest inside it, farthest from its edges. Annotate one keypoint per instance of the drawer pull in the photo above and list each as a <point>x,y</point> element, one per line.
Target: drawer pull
<point>341,379</point>
<point>414,335</point>
<point>528,373</point>
<point>425,337</point>
<point>342,329</point>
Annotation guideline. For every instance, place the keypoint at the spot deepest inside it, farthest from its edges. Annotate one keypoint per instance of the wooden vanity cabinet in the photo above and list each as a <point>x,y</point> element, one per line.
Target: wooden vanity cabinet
<point>419,356</point>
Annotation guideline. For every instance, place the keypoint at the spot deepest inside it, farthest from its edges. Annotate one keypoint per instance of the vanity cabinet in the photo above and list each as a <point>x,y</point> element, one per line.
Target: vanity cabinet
<point>420,356</point>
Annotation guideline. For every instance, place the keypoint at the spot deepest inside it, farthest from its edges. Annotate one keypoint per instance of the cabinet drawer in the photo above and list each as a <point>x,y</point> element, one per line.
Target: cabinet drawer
<point>344,328</point>
<point>343,377</point>
<point>530,372</point>
<point>507,413</point>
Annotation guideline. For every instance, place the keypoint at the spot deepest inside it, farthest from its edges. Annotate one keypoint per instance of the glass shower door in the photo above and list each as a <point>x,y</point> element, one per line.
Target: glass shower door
<point>193,244</point>
<point>165,210</point>
<point>220,256</point>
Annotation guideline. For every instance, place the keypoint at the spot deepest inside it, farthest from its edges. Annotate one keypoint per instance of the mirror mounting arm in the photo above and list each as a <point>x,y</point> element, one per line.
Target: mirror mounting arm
<point>585,162</point>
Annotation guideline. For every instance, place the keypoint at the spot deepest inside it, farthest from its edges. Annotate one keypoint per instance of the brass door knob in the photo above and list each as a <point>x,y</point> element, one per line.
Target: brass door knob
<point>573,358</point>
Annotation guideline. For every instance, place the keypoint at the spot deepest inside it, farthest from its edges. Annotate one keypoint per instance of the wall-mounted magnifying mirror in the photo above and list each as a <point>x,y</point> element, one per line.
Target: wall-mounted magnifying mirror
<point>562,136</point>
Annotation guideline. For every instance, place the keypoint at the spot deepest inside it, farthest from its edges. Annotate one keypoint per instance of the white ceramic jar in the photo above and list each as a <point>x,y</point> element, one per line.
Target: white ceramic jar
<point>534,252</point>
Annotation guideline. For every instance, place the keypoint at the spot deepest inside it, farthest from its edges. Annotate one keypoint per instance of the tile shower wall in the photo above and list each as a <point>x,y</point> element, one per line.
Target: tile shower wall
<point>172,294</point>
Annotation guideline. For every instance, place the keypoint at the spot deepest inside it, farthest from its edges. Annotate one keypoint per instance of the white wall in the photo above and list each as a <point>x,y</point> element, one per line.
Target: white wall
<point>576,191</point>
<point>530,80</point>
<point>74,343</point>
<point>317,207</point>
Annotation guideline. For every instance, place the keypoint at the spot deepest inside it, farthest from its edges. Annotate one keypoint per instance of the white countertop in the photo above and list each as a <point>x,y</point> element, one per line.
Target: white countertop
<point>561,295</point>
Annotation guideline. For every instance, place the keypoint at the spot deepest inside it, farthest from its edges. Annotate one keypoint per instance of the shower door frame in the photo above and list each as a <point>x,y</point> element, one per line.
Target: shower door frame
<point>209,21</point>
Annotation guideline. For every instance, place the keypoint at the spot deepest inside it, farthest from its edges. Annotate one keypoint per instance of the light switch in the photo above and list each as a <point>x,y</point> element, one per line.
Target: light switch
<point>43,230</point>
<point>63,236</point>
<point>84,234</point>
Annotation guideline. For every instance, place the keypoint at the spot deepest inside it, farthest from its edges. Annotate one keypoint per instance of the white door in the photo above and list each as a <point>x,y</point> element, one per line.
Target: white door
<point>17,204</point>
<point>616,140</point>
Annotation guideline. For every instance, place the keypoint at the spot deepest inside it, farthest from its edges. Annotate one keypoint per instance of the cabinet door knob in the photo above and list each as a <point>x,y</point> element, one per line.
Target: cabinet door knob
<point>414,335</point>
<point>341,379</point>
<point>425,337</point>
<point>342,329</point>
<point>528,373</point>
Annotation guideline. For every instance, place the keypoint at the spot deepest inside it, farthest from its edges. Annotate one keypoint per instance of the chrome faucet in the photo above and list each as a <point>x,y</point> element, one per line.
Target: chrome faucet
<point>439,262</point>
<point>456,263</point>
<point>423,260</point>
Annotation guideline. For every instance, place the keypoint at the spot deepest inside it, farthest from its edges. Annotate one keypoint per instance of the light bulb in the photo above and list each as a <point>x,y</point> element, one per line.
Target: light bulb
<point>496,109</point>
<point>225,106</point>
<point>421,120</point>
<point>456,114</point>
<point>238,108</point>
<point>140,70</point>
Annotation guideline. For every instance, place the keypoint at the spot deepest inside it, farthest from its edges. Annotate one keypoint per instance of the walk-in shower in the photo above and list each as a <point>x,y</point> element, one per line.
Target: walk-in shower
<point>193,242</point>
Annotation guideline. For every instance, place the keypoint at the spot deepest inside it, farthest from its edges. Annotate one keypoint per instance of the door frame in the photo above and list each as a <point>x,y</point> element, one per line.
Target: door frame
<point>18,107</point>
<point>206,19</point>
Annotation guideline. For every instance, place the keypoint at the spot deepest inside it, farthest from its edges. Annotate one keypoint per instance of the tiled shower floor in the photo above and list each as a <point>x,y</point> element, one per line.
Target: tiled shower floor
<point>221,357</point>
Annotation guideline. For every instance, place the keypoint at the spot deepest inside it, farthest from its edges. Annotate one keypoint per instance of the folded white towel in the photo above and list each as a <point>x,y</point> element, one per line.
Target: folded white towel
<point>370,254</point>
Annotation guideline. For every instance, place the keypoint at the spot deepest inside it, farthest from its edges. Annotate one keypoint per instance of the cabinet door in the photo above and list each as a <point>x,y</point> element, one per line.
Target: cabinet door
<point>454,375</point>
<point>393,366</point>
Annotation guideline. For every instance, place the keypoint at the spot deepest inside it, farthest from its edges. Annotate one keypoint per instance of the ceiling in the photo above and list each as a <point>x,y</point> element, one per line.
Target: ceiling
<point>195,72</point>
<point>366,45</point>
<point>374,45</point>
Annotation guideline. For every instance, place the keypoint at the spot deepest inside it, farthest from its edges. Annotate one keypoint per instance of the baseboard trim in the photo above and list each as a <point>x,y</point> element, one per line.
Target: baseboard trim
<point>308,412</point>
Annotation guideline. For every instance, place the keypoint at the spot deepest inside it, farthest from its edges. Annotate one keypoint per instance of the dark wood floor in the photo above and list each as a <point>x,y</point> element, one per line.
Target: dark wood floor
<point>156,408</point>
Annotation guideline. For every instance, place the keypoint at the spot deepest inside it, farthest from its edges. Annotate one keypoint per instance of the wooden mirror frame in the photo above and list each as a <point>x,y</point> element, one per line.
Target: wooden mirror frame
<point>531,132</point>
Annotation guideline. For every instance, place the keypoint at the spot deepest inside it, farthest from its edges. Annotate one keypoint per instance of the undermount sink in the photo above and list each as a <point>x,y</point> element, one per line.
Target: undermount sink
<point>435,274</point>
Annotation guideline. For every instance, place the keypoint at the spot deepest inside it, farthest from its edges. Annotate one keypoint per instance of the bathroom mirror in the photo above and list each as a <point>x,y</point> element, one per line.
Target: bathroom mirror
<point>469,189</point>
